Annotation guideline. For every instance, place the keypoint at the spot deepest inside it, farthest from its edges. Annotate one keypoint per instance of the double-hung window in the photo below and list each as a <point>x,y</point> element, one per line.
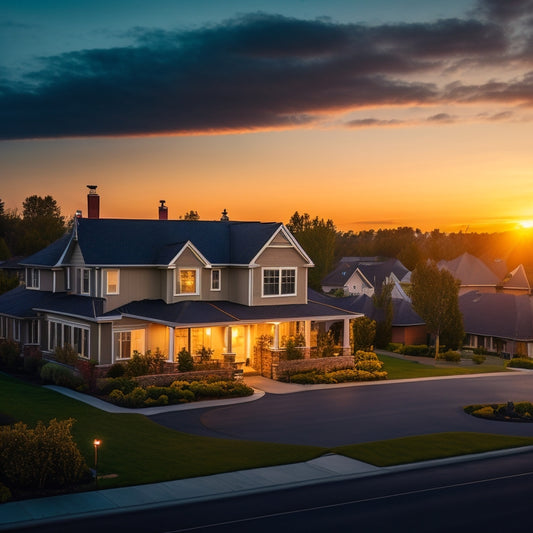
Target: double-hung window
<point>112,279</point>
<point>187,281</point>
<point>126,342</point>
<point>215,279</point>
<point>85,281</point>
<point>33,278</point>
<point>279,282</point>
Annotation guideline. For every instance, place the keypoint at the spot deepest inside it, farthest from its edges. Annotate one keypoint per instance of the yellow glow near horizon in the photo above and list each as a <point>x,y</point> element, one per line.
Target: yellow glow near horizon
<point>526,224</point>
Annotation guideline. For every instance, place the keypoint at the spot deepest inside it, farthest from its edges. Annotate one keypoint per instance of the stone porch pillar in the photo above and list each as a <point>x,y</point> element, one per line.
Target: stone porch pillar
<point>346,348</point>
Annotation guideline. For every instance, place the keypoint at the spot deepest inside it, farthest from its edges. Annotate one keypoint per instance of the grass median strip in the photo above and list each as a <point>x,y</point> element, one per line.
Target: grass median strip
<point>427,447</point>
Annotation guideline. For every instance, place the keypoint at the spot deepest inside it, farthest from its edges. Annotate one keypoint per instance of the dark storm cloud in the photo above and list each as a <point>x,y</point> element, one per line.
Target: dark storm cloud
<point>504,10</point>
<point>254,72</point>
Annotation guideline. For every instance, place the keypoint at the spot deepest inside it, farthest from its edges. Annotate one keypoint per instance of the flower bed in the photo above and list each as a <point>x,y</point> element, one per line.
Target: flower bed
<point>506,412</point>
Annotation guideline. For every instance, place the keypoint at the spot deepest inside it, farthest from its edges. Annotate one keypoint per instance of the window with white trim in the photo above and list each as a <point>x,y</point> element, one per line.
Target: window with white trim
<point>62,333</point>
<point>33,278</point>
<point>126,342</point>
<point>16,330</point>
<point>3,326</point>
<point>215,279</point>
<point>112,281</point>
<point>279,282</point>
<point>187,281</point>
<point>34,336</point>
<point>85,281</point>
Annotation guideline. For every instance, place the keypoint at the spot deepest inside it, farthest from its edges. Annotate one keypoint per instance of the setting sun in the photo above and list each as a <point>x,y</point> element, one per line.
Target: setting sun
<point>526,224</point>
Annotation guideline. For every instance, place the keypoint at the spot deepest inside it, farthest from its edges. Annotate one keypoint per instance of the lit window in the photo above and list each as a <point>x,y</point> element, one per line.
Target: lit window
<point>127,342</point>
<point>279,281</point>
<point>215,280</point>
<point>187,281</point>
<point>112,281</point>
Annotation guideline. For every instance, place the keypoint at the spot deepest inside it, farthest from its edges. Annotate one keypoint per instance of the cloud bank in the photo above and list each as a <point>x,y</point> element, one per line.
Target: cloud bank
<point>262,71</point>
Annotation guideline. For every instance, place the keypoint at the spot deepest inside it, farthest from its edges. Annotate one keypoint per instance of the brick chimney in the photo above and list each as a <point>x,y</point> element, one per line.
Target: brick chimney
<point>93,202</point>
<point>163,210</point>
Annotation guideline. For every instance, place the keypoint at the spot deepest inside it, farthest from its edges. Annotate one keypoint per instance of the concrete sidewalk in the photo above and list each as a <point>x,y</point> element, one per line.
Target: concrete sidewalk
<point>330,467</point>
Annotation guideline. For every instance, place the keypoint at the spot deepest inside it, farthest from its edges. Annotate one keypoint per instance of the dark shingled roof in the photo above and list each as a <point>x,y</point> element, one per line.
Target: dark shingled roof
<point>23,303</point>
<point>156,242</point>
<point>190,313</point>
<point>509,316</point>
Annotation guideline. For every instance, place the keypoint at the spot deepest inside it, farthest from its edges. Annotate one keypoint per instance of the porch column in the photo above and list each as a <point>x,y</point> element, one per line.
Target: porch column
<point>171,333</point>
<point>346,348</point>
<point>275,345</point>
<point>307,336</point>
<point>228,341</point>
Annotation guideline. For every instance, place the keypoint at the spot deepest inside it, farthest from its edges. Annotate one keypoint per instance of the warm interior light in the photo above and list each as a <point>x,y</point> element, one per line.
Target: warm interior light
<point>97,442</point>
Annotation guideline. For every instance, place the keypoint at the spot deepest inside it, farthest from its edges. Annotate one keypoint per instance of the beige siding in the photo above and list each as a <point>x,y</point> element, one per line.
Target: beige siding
<point>280,257</point>
<point>238,283</point>
<point>76,257</point>
<point>46,282</point>
<point>106,344</point>
<point>135,284</point>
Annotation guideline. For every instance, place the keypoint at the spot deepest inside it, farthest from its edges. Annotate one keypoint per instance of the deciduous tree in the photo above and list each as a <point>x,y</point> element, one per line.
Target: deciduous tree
<point>434,294</point>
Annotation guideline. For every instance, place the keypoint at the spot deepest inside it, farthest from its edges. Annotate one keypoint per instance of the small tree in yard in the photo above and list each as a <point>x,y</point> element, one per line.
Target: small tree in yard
<point>185,361</point>
<point>434,294</point>
<point>364,333</point>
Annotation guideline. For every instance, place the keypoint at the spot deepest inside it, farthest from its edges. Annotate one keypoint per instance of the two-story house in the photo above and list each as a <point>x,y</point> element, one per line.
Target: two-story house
<point>114,286</point>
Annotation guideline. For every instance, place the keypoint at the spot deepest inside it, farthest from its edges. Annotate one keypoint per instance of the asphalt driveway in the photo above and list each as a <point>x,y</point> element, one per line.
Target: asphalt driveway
<point>360,413</point>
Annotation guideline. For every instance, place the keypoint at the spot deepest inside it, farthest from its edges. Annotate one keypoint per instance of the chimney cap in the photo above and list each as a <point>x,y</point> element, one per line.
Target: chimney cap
<point>92,188</point>
<point>224,216</point>
<point>162,202</point>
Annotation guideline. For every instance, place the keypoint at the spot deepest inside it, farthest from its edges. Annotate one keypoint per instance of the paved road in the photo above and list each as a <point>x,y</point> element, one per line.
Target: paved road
<point>362,413</point>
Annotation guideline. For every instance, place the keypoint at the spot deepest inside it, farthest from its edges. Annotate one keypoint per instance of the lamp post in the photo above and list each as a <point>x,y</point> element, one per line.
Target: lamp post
<point>96,444</point>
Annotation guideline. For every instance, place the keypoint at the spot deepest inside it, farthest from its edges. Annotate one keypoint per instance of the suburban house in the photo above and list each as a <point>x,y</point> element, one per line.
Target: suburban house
<point>498,322</point>
<point>366,275</point>
<point>407,326</point>
<point>475,275</point>
<point>111,287</point>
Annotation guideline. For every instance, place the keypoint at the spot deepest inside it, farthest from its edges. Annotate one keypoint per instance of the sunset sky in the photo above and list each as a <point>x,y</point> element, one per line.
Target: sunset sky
<point>374,114</point>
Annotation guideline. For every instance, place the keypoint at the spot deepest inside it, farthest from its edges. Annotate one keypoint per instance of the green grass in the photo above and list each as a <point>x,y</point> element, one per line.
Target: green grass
<point>397,368</point>
<point>426,447</point>
<point>137,449</point>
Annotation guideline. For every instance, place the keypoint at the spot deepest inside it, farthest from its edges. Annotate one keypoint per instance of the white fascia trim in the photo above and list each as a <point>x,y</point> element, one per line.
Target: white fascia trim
<point>67,248</point>
<point>364,278</point>
<point>69,315</point>
<point>181,326</point>
<point>287,234</point>
<point>189,245</point>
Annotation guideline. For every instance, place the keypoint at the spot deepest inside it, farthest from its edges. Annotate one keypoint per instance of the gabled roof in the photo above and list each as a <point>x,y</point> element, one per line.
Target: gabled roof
<point>508,316</point>
<point>403,312</point>
<point>117,242</point>
<point>517,279</point>
<point>24,303</point>
<point>372,270</point>
<point>470,271</point>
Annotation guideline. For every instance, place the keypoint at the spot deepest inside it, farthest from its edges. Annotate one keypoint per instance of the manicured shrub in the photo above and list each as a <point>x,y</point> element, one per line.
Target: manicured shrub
<point>337,376</point>
<point>44,457</point>
<point>66,354</point>
<point>524,409</point>
<point>478,358</point>
<point>185,361</point>
<point>123,384</point>
<point>204,354</point>
<point>60,375</point>
<point>116,371</point>
<point>292,351</point>
<point>10,355</point>
<point>367,361</point>
<point>143,364</point>
<point>451,356</point>
<point>417,350</point>
<point>396,347</point>
<point>486,411</point>
<point>520,362</point>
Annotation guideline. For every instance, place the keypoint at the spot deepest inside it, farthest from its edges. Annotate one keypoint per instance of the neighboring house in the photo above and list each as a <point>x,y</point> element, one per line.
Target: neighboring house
<point>475,275</point>
<point>366,275</point>
<point>407,326</point>
<point>113,286</point>
<point>498,322</point>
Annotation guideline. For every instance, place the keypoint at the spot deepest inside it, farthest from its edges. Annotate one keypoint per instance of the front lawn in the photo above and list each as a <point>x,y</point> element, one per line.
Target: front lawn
<point>136,449</point>
<point>397,368</point>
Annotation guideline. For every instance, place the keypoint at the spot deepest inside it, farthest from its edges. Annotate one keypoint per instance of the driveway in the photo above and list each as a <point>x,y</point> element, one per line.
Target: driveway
<point>338,415</point>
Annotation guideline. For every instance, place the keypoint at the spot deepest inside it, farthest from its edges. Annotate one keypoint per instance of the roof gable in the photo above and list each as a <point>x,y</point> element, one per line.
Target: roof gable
<point>470,270</point>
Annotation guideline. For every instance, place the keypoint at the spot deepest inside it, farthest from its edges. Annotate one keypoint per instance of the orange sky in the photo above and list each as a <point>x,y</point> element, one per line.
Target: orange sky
<point>373,115</point>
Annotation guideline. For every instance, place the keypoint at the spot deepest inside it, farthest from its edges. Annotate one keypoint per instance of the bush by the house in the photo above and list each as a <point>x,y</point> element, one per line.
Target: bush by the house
<point>123,384</point>
<point>179,392</point>
<point>61,375</point>
<point>338,376</point>
<point>185,361</point>
<point>520,362</point>
<point>116,371</point>
<point>44,457</point>
<point>451,356</point>
<point>367,361</point>
<point>292,348</point>
<point>143,364</point>
<point>10,355</point>
<point>478,358</point>
<point>66,354</point>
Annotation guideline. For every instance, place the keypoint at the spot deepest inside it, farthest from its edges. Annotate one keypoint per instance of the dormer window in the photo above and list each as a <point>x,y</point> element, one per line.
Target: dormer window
<point>215,279</point>
<point>85,281</point>
<point>33,278</point>
<point>187,281</point>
